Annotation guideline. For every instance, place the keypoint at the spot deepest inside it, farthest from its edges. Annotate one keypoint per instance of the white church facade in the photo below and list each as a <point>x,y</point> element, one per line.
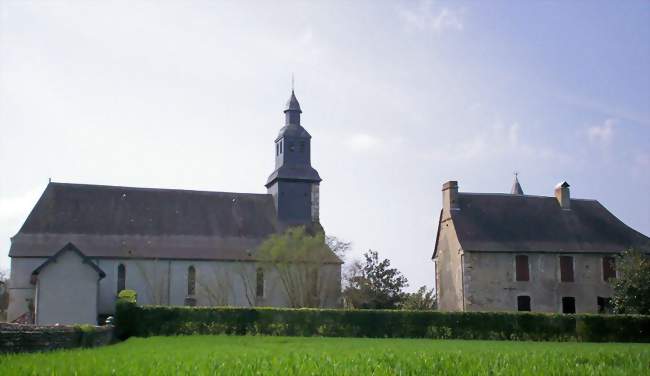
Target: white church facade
<point>82,244</point>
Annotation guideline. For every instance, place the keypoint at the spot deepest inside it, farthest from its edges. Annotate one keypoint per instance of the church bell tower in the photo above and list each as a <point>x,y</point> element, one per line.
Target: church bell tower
<point>294,183</point>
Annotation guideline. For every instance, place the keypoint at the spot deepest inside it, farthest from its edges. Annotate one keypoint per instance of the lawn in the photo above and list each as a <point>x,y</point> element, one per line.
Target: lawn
<point>250,355</point>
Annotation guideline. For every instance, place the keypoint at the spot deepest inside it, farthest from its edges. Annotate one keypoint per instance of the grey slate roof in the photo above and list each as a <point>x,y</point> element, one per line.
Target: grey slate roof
<point>519,223</point>
<point>292,103</point>
<point>108,221</point>
<point>70,248</point>
<point>516,187</point>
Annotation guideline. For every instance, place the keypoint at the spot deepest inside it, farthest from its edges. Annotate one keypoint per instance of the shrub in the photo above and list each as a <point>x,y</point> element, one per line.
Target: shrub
<point>132,320</point>
<point>128,296</point>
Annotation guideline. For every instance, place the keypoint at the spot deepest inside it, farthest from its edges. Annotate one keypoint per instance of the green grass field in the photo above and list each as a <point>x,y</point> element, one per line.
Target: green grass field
<point>334,356</point>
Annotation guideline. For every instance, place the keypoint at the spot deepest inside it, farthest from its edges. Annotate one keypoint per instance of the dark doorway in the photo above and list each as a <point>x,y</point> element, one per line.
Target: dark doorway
<point>568,304</point>
<point>523,303</point>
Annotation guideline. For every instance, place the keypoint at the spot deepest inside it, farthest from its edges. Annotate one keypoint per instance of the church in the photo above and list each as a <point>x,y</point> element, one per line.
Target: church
<point>83,244</point>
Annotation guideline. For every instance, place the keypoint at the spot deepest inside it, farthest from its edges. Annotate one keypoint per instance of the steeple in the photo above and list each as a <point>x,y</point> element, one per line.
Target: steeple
<point>516,187</point>
<point>295,183</point>
<point>292,110</point>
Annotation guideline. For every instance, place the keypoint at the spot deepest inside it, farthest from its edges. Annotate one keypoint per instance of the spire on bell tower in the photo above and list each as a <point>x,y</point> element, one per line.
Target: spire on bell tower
<point>516,187</point>
<point>295,183</point>
<point>292,110</point>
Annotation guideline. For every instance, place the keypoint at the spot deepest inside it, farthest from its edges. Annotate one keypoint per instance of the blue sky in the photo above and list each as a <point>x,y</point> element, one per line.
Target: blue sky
<point>399,98</point>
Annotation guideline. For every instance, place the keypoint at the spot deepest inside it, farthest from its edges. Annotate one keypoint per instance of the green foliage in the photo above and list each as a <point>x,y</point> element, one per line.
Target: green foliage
<point>247,355</point>
<point>373,284</point>
<point>421,300</point>
<point>147,321</point>
<point>298,257</point>
<point>128,296</point>
<point>632,286</point>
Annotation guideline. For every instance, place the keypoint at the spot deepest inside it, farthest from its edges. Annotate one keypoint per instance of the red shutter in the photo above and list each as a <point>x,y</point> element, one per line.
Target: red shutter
<point>609,268</point>
<point>522,268</point>
<point>566,268</point>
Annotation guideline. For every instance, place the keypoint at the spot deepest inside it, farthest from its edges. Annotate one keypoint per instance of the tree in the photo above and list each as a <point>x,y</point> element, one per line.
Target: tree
<point>300,260</point>
<point>4,294</point>
<point>374,284</point>
<point>421,300</point>
<point>632,285</point>
<point>338,246</point>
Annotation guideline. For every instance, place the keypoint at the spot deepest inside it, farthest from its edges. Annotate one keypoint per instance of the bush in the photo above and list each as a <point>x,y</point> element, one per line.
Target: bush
<point>128,296</point>
<point>132,320</point>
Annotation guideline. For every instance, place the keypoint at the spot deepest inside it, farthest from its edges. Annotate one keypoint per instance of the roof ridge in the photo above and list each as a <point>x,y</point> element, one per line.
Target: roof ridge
<point>523,195</point>
<point>118,187</point>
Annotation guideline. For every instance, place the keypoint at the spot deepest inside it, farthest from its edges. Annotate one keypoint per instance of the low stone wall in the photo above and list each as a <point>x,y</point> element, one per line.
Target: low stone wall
<point>28,338</point>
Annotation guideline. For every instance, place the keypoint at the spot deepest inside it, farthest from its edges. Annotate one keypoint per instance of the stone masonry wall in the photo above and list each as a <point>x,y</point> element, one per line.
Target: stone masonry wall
<point>16,338</point>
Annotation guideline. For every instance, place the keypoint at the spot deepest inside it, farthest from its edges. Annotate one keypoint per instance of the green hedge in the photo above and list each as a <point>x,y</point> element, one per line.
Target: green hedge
<point>143,321</point>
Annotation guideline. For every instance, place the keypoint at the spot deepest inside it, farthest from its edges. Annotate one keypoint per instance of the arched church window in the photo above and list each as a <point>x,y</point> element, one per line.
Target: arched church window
<point>292,147</point>
<point>281,143</point>
<point>121,278</point>
<point>259,283</point>
<point>277,149</point>
<point>302,146</point>
<point>191,281</point>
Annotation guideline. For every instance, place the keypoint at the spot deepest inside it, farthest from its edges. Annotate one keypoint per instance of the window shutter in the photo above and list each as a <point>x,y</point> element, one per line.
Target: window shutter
<point>566,268</point>
<point>609,268</point>
<point>522,268</point>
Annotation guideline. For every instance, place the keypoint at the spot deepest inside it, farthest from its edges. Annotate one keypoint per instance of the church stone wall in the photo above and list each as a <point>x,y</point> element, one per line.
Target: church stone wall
<point>21,291</point>
<point>218,283</point>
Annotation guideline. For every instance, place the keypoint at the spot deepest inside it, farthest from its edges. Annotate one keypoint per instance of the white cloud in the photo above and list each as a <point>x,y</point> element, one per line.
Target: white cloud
<point>362,142</point>
<point>603,133</point>
<point>426,16</point>
<point>18,207</point>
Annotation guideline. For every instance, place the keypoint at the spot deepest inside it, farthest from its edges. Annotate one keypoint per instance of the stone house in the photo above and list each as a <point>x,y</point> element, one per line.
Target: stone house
<point>82,244</point>
<point>517,252</point>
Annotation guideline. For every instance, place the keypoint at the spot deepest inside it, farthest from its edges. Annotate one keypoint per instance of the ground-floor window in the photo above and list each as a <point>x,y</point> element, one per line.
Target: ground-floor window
<point>568,304</point>
<point>523,303</point>
<point>604,305</point>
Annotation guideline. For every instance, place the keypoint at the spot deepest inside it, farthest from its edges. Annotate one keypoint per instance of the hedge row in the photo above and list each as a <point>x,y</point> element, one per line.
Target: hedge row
<point>143,321</point>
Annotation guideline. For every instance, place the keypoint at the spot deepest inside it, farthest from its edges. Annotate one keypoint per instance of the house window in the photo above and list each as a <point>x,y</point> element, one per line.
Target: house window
<point>568,304</point>
<point>604,305</point>
<point>121,278</point>
<point>609,268</point>
<point>191,281</point>
<point>259,285</point>
<point>523,303</point>
<point>521,270</point>
<point>566,268</point>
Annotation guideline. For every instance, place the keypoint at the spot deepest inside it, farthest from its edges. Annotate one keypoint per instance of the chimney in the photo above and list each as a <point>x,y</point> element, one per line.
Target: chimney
<point>562,195</point>
<point>450,196</point>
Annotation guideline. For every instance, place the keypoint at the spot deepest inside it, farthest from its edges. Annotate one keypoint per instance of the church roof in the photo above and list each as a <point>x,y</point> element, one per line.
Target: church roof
<point>109,221</point>
<point>520,223</point>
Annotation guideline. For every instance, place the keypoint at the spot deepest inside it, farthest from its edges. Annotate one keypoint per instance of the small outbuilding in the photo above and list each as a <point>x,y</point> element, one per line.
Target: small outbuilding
<point>67,287</point>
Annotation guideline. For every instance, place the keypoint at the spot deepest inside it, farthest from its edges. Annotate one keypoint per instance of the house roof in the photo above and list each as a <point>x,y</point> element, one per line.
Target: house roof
<point>520,223</point>
<point>70,248</point>
<point>108,221</point>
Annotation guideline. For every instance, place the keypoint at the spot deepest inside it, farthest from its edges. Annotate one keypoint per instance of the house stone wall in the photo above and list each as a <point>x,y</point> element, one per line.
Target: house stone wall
<point>448,261</point>
<point>490,282</point>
